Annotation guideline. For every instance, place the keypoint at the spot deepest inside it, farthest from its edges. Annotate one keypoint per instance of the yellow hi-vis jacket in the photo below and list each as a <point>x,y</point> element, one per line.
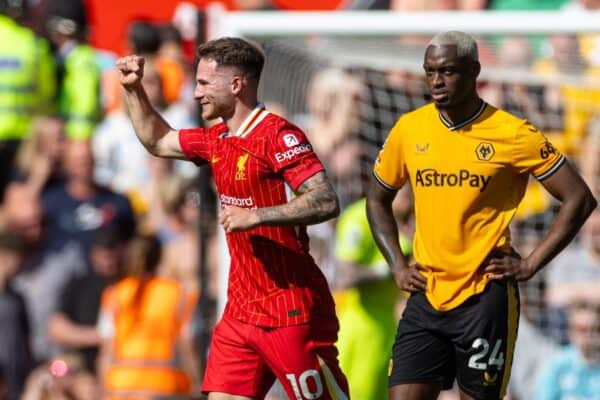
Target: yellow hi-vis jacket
<point>27,79</point>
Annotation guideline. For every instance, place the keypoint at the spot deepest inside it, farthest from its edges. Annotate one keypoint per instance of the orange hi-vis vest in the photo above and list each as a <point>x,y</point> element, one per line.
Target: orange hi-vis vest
<point>149,316</point>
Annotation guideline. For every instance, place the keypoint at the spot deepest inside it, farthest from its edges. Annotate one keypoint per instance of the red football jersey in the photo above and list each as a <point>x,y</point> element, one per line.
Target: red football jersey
<point>273,280</point>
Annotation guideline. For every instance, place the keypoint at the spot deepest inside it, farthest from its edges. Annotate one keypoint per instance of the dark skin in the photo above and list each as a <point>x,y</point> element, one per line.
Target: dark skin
<point>451,81</point>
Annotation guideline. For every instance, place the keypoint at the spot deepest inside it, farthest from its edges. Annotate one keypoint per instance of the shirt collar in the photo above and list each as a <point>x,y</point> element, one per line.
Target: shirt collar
<point>466,121</point>
<point>252,120</point>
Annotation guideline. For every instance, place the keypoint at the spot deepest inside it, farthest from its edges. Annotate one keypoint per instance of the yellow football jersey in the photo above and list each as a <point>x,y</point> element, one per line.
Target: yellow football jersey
<point>468,180</point>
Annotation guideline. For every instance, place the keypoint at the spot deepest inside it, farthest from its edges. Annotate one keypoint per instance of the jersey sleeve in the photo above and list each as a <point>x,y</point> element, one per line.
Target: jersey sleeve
<point>291,155</point>
<point>196,145</point>
<point>534,154</point>
<point>390,167</point>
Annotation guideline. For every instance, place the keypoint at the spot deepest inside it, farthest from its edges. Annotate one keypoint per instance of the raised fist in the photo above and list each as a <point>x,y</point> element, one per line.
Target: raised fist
<point>131,70</point>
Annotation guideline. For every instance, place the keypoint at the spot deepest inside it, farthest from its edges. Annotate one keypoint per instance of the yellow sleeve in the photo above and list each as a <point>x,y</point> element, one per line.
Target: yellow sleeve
<point>534,154</point>
<point>390,167</point>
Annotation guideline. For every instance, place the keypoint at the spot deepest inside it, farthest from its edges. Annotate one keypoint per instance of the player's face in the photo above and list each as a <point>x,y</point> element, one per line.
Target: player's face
<point>451,79</point>
<point>213,90</point>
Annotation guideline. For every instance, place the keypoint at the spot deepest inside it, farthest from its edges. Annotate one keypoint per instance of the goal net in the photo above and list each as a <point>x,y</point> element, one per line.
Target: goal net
<point>346,77</point>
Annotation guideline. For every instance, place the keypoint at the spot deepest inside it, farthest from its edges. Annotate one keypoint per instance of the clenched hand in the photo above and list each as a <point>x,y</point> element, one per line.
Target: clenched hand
<point>236,219</point>
<point>131,70</point>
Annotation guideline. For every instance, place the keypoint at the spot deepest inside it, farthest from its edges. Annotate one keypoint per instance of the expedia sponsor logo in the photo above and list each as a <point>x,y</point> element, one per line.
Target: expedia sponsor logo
<point>293,152</point>
<point>247,202</point>
<point>431,177</point>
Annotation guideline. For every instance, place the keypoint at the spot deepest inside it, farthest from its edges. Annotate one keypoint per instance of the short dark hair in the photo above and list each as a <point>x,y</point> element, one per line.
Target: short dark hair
<point>67,16</point>
<point>144,37</point>
<point>107,237</point>
<point>234,52</point>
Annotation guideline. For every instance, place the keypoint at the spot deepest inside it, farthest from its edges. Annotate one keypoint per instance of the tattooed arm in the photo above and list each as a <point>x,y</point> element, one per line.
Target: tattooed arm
<point>316,202</point>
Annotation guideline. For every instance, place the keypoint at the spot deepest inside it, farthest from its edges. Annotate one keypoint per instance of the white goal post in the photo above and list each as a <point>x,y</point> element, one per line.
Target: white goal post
<point>373,23</point>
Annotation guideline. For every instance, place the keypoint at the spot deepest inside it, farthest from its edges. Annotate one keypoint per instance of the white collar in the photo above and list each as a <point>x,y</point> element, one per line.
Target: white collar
<point>252,120</point>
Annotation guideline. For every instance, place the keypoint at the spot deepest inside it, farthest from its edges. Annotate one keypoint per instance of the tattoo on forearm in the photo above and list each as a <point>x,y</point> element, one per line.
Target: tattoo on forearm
<point>316,202</point>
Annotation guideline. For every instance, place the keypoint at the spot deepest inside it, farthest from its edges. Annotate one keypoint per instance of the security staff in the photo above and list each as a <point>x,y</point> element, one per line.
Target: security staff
<point>27,82</point>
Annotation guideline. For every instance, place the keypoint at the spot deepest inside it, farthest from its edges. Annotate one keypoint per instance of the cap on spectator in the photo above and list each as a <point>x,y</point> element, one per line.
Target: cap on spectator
<point>67,16</point>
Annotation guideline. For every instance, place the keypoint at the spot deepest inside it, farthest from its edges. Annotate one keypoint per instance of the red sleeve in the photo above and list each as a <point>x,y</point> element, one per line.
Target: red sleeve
<point>196,144</point>
<point>292,155</point>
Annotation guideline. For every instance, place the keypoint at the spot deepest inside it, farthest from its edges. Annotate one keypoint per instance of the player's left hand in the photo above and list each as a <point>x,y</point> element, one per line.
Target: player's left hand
<point>507,267</point>
<point>236,219</point>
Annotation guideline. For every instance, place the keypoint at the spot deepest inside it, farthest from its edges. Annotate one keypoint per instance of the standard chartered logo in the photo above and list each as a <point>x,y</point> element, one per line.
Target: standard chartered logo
<point>431,177</point>
<point>246,202</point>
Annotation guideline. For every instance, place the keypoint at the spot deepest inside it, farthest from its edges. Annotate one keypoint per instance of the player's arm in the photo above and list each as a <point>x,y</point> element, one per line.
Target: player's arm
<point>316,202</point>
<point>151,129</point>
<point>577,203</point>
<point>385,232</point>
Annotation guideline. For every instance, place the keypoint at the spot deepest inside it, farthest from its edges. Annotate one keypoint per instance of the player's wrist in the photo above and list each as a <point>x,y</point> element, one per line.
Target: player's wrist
<point>258,217</point>
<point>527,269</point>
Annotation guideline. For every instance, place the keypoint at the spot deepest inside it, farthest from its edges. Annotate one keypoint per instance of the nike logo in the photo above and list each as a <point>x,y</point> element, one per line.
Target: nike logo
<point>214,160</point>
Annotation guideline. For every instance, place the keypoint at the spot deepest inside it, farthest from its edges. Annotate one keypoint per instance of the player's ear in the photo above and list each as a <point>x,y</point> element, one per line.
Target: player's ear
<point>237,84</point>
<point>476,68</point>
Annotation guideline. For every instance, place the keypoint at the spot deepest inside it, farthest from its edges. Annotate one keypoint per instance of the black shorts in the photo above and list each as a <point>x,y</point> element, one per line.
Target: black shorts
<point>473,343</point>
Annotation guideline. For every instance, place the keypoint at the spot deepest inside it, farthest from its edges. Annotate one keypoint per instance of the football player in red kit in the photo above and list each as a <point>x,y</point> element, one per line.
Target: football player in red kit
<point>279,321</point>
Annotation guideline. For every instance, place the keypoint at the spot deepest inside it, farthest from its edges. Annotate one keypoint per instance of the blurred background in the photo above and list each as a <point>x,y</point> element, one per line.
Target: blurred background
<point>107,253</point>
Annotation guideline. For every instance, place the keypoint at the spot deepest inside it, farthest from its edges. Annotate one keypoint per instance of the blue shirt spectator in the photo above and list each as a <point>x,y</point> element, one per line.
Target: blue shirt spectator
<point>574,373</point>
<point>567,376</point>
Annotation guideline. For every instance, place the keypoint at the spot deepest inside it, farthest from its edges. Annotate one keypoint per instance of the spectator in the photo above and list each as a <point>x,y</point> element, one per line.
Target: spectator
<point>78,72</point>
<point>44,271</point>
<point>180,235</point>
<point>590,156</point>
<point>576,104</point>
<point>575,272</point>
<point>38,165</point>
<point>73,325</point>
<point>62,378</point>
<point>171,44</point>
<point>589,42</point>
<point>122,164</point>
<point>333,101</point>
<point>28,83</point>
<point>574,373</point>
<point>145,320</point>
<point>145,40</point>
<point>370,299</point>
<point>532,351</point>
<point>533,347</point>
<point>15,353</point>
<point>76,208</point>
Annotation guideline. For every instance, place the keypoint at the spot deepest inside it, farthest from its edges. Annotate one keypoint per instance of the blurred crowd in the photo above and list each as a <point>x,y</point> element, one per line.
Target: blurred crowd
<point>102,245</point>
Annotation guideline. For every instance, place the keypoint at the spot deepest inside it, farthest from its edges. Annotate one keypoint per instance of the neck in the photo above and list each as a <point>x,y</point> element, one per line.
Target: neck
<point>80,189</point>
<point>461,112</point>
<point>242,109</point>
